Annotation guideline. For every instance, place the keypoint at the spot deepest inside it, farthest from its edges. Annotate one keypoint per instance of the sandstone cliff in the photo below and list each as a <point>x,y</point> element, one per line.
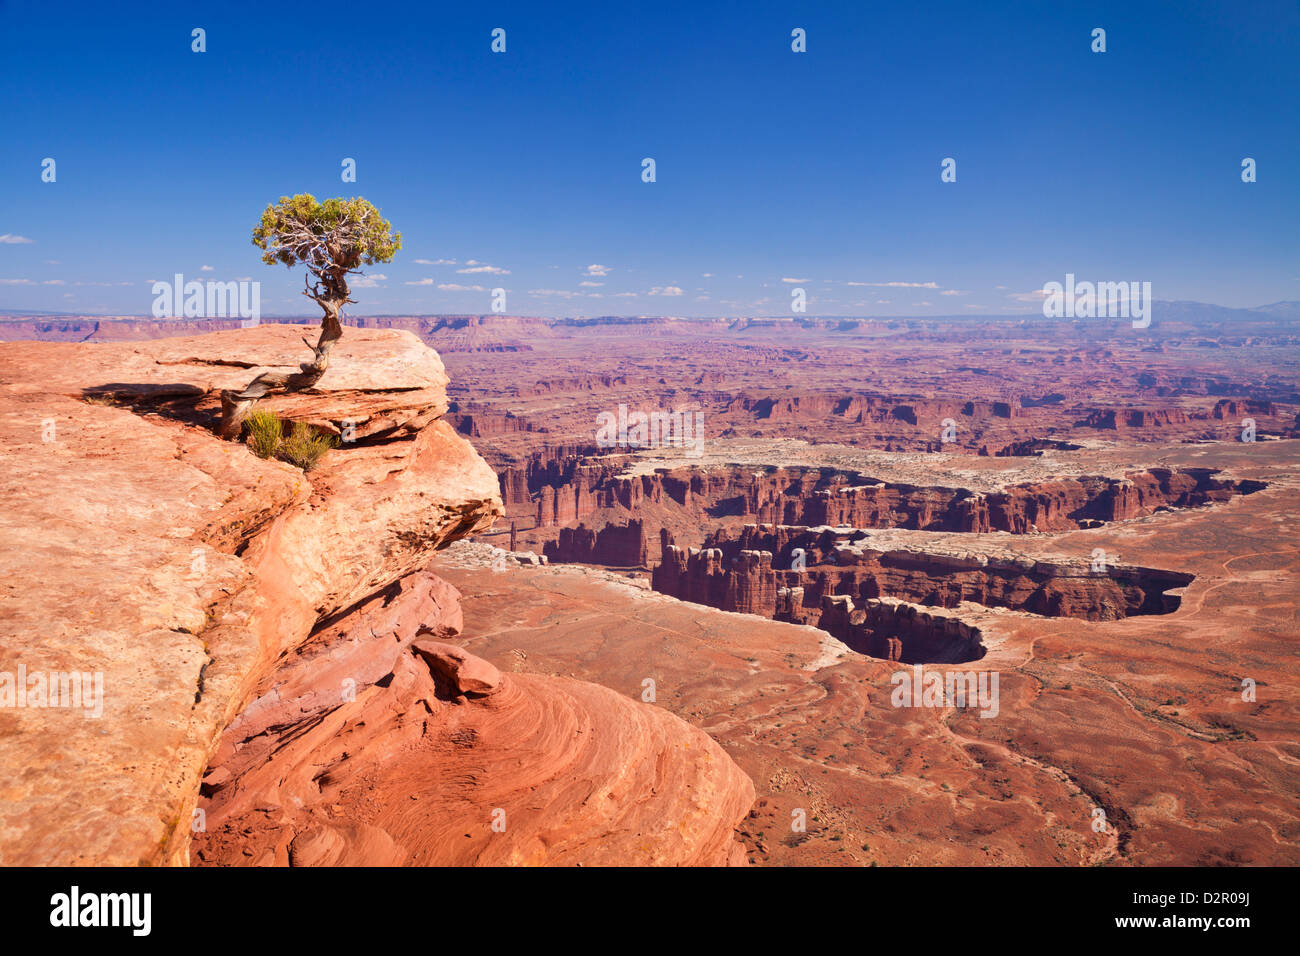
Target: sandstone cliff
<point>622,546</point>
<point>431,756</point>
<point>183,573</point>
<point>819,576</point>
<point>826,496</point>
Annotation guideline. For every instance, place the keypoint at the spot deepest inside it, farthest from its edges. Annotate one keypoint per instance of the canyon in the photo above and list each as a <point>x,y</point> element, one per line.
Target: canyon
<point>868,597</point>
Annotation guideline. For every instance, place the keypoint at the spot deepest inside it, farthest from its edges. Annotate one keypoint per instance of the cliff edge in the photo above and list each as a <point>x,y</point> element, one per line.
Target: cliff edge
<point>157,578</point>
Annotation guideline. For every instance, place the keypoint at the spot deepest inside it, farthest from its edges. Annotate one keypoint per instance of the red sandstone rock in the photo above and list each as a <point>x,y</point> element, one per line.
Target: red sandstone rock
<point>180,566</point>
<point>465,672</point>
<point>446,761</point>
<point>616,545</point>
<point>747,575</point>
<point>686,498</point>
<point>272,633</point>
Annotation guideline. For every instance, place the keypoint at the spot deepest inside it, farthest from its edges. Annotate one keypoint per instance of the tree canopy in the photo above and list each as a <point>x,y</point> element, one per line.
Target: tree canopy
<point>332,239</point>
<point>337,234</point>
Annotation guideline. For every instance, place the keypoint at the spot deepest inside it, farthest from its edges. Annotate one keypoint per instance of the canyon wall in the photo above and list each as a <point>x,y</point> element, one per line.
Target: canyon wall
<point>803,576</point>
<point>614,545</point>
<point>810,496</point>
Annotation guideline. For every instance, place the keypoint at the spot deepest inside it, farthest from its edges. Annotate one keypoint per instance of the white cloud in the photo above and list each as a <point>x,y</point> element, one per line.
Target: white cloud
<point>457,287</point>
<point>794,281</point>
<point>624,295</point>
<point>706,275</point>
<point>9,239</point>
<point>562,293</point>
<point>369,282</point>
<point>666,290</point>
<point>898,285</point>
<point>435,262</point>
<point>598,271</point>
<point>205,268</point>
<point>954,292</point>
<point>1038,295</point>
<point>420,282</point>
<point>16,282</point>
<point>590,285</point>
<point>494,270</point>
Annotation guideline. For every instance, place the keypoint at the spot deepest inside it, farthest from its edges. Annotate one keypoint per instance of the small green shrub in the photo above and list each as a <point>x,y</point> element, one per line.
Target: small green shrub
<point>305,446</point>
<point>264,431</point>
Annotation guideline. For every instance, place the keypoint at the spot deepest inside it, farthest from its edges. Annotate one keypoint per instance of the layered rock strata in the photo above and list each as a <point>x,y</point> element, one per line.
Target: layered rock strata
<point>379,743</point>
<point>175,572</point>
<point>614,545</point>
<point>804,576</point>
<point>175,567</point>
<point>824,496</point>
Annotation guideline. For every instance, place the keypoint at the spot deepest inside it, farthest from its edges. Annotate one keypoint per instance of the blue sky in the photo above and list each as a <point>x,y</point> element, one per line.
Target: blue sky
<point>771,165</point>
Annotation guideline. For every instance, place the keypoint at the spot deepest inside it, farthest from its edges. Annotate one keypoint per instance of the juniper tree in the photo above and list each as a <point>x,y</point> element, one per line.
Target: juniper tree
<point>333,239</point>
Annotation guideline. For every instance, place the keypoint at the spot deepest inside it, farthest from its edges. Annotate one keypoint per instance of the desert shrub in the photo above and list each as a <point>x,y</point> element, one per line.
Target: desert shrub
<point>305,446</point>
<point>264,432</point>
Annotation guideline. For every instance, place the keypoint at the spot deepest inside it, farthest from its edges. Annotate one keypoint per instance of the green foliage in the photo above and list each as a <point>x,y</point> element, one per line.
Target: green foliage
<point>343,233</point>
<point>264,430</point>
<point>305,446</point>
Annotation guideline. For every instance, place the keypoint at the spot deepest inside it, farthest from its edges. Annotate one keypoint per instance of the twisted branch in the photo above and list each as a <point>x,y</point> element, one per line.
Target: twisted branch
<point>331,293</point>
<point>331,241</point>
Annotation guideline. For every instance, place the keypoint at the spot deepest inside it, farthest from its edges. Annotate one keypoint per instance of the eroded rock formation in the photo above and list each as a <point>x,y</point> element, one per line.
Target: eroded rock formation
<point>378,743</point>
<point>805,576</point>
<point>182,571</point>
<point>824,496</point>
<point>615,545</point>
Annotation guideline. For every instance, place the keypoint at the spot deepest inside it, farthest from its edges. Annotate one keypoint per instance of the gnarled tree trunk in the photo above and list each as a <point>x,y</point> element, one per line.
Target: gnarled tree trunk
<point>331,294</point>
